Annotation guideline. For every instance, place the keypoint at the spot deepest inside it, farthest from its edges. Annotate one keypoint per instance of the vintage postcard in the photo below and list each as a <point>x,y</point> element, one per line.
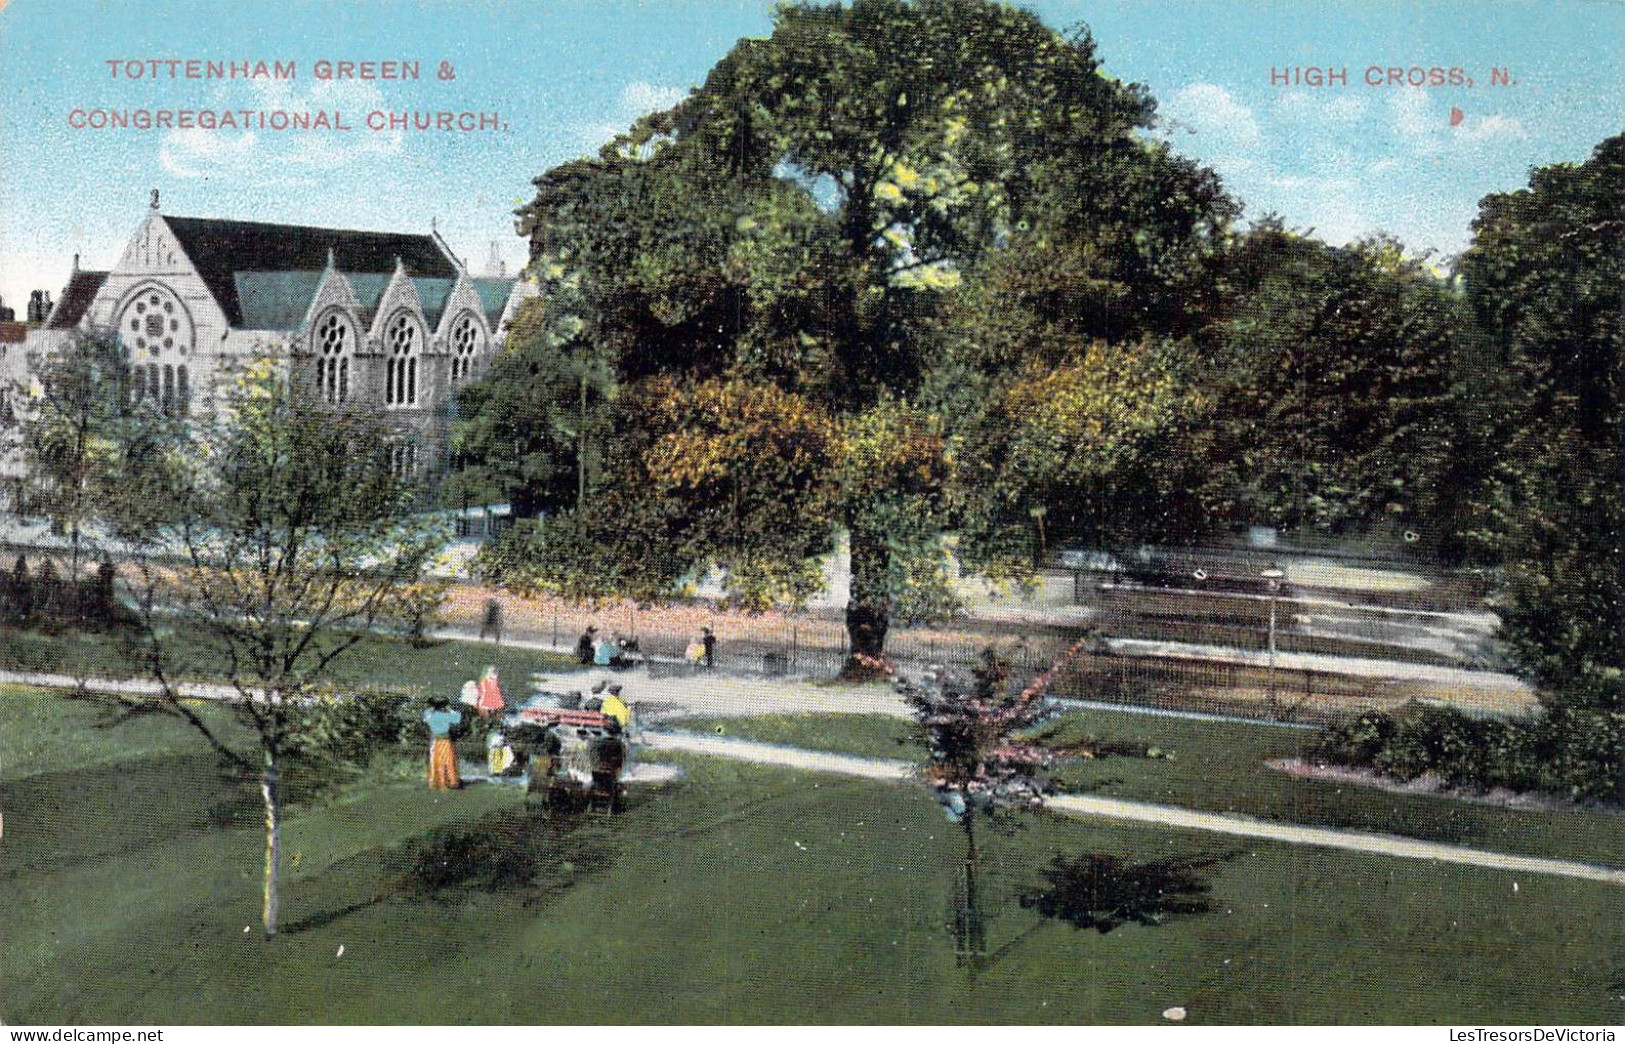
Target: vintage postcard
<point>881,513</point>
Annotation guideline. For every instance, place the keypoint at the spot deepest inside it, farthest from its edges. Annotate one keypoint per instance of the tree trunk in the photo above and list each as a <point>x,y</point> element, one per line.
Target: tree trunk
<point>868,605</point>
<point>273,844</point>
<point>581,449</point>
<point>970,929</point>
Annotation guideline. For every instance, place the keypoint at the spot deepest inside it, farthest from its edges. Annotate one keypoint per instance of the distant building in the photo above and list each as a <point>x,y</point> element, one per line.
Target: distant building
<point>382,319</point>
<point>39,306</point>
<point>6,314</point>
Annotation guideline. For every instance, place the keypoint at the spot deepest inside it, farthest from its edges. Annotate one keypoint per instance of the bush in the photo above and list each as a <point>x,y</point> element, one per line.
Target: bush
<point>1357,741</point>
<point>1576,752</point>
<point>1589,749</point>
<point>338,736</point>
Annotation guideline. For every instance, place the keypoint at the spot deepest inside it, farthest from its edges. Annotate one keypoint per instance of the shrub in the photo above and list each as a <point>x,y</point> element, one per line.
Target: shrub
<point>1356,741</point>
<point>1576,752</point>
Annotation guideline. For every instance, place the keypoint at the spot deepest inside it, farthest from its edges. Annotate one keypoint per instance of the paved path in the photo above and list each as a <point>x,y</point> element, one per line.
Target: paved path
<point>1086,806</point>
<point>724,696</point>
<point>1348,666</point>
<point>116,686</point>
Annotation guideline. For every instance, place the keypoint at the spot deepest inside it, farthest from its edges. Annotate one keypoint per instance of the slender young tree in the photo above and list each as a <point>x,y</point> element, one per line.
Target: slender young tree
<point>71,419</point>
<point>977,767</point>
<point>273,534</point>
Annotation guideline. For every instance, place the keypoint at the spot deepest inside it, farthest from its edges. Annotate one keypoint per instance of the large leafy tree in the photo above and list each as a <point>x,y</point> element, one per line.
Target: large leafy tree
<point>799,219</point>
<point>73,416</point>
<point>1333,370</point>
<point>534,430</point>
<point>1544,276</point>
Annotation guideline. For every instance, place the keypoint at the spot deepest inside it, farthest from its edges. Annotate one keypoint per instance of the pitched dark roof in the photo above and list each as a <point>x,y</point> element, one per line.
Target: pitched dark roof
<point>494,293</point>
<point>220,249</point>
<point>75,299</point>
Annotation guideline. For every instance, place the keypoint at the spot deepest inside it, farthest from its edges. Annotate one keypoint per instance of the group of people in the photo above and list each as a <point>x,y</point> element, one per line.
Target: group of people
<point>593,650</point>
<point>485,697</point>
<point>485,694</point>
<point>609,651</point>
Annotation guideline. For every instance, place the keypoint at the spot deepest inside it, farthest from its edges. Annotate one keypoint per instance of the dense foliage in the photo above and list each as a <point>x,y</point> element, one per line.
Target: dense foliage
<point>1576,753</point>
<point>803,222</point>
<point>1544,277</point>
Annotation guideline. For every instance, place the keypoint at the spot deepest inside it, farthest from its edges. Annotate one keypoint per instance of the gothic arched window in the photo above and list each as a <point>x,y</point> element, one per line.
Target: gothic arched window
<point>157,330</point>
<point>466,341</point>
<point>333,341</point>
<point>401,340</point>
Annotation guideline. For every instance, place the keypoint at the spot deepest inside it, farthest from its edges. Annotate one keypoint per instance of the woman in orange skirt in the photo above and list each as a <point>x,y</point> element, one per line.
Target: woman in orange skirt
<point>442,756</point>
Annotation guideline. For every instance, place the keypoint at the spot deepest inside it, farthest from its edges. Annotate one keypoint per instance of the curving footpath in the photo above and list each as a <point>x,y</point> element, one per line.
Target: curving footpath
<point>698,696</point>
<point>1087,806</point>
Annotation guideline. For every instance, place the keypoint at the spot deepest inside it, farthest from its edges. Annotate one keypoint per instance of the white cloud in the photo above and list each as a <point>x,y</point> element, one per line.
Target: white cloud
<point>1321,106</point>
<point>1425,127</point>
<point>289,155</point>
<point>1414,119</point>
<point>638,98</point>
<point>1225,130</point>
<point>1491,128</point>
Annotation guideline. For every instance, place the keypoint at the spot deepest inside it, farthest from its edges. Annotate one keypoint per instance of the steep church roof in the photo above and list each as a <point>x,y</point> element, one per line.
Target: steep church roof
<point>494,293</point>
<point>75,299</point>
<point>251,267</point>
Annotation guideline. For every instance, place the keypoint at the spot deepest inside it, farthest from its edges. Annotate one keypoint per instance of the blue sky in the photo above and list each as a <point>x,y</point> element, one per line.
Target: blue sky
<point>565,74</point>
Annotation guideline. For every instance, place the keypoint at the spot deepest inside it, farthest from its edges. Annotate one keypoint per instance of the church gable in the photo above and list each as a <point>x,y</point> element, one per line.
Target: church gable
<point>464,298</point>
<point>334,292</point>
<point>153,250</point>
<point>399,296</point>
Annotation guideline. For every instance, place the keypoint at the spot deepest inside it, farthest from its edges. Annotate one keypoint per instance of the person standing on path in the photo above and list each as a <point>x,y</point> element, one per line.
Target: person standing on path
<point>441,719</point>
<point>585,646</point>
<point>709,639</point>
<point>491,623</point>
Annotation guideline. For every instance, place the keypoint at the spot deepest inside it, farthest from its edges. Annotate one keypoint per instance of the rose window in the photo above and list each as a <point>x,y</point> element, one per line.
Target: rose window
<point>154,322</point>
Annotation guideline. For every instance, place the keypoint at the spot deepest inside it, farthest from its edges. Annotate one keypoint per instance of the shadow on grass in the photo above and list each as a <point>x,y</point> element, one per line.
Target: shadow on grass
<point>1104,892</point>
<point>59,820</point>
<point>525,854</point>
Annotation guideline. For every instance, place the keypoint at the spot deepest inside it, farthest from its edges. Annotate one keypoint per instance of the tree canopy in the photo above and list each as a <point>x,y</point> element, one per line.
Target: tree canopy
<point>805,219</point>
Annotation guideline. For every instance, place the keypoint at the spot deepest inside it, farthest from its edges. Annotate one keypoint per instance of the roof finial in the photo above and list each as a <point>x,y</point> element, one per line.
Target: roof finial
<point>154,199</point>
<point>434,223</point>
<point>76,264</point>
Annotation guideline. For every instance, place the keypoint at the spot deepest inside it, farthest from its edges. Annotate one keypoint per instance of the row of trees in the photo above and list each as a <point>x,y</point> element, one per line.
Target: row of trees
<point>903,270</point>
<point>908,268</point>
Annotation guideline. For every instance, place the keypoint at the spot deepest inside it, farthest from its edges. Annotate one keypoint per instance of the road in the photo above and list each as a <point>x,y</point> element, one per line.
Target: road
<point>1084,806</point>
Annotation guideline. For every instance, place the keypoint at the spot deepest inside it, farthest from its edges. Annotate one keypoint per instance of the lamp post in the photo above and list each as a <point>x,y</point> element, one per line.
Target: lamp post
<point>1272,577</point>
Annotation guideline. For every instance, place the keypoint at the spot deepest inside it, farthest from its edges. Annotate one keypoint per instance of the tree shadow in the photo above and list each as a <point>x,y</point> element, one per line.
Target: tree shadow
<point>1104,892</point>
<point>528,851</point>
<point>523,853</point>
<point>327,917</point>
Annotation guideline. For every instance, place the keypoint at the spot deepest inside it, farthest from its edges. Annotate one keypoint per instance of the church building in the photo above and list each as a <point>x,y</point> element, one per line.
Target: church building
<point>388,320</point>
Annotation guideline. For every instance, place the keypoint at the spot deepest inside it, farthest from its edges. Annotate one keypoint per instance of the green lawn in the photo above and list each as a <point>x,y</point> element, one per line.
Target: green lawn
<point>742,894</point>
<point>1220,767</point>
<point>377,662</point>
